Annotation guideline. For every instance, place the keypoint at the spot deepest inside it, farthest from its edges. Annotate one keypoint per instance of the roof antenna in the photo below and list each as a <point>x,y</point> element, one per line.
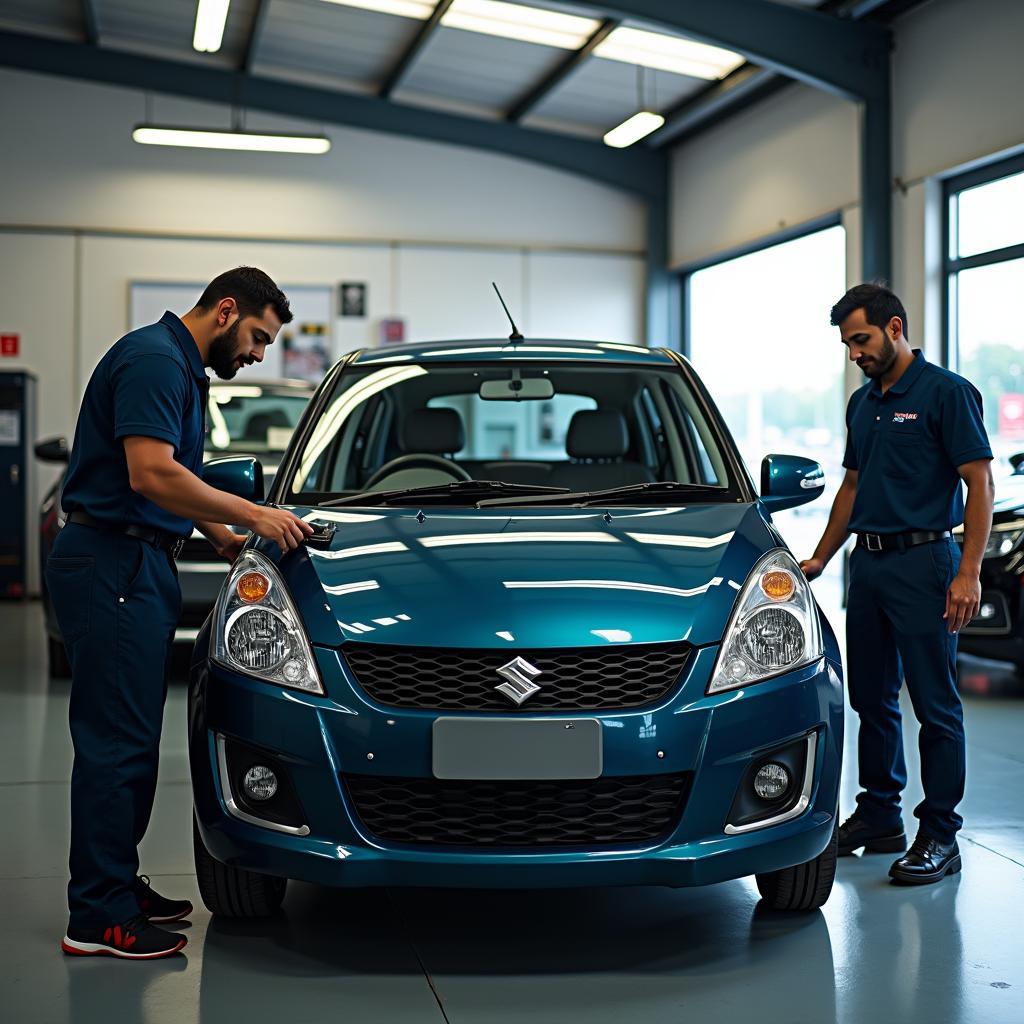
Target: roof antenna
<point>515,335</point>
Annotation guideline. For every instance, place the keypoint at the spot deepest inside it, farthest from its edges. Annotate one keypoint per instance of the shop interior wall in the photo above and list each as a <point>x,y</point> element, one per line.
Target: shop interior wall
<point>957,76</point>
<point>84,212</point>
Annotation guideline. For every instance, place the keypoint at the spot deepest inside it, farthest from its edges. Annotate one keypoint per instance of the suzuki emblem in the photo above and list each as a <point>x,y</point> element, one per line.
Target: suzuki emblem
<point>520,685</point>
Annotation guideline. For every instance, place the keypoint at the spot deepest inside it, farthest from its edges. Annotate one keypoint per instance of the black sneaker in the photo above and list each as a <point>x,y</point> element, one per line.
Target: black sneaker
<point>135,939</point>
<point>855,833</point>
<point>159,909</point>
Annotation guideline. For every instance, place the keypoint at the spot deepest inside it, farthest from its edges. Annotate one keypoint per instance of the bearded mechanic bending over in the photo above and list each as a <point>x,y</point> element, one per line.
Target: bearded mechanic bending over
<point>132,493</point>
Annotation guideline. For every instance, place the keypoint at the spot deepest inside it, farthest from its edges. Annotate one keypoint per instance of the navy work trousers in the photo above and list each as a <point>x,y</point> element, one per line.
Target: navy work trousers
<point>117,601</point>
<point>895,629</point>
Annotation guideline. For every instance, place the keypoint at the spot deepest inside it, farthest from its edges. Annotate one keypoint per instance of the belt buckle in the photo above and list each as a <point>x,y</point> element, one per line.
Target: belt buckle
<point>176,547</point>
<point>873,541</point>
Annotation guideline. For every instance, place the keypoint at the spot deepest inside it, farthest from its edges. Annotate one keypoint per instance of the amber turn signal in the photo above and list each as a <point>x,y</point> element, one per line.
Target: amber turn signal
<point>778,585</point>
<point>252,587</point>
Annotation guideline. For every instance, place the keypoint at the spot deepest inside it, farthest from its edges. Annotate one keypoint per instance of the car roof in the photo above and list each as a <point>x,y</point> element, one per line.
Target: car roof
<point>500,349</point>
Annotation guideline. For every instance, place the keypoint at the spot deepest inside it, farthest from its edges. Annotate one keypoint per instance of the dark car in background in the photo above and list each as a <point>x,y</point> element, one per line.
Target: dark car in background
<point>254,419</point>
<point>997,631</point>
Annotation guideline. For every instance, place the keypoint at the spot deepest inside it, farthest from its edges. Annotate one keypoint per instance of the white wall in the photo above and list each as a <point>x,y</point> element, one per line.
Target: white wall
<point>74,164</point>
<point>787,160</point>
<point>957,78</point>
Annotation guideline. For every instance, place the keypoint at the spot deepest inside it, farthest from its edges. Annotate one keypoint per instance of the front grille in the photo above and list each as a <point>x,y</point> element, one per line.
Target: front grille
<point>589,812</point>
<point>571,679</point>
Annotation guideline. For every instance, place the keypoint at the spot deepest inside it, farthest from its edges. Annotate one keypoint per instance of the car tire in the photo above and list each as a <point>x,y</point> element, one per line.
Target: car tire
<point>57,659</point>
<point>235,892</point>
<point>804,886</point>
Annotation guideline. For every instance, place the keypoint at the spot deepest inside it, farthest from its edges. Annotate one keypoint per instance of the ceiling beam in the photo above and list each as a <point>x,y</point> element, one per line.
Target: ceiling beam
<point>538,93</point>
<point>404,64</point>
<point>841,56</point>
<point>637,170</point>
<point>91,22</point>
<point>256,30</point>
<point>739,89</point>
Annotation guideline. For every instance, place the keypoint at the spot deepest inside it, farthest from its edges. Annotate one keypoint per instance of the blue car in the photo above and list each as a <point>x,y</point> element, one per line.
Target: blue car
<point>545,634</point>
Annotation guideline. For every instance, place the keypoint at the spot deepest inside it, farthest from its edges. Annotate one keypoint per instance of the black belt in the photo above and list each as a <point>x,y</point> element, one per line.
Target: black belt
<point>899,541</point>
<point>163,540</point>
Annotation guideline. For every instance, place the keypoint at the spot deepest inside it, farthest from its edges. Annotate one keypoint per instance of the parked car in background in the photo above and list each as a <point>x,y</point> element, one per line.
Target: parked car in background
<point>249,419</point>
<point>997,631</point>
<point>545,635</point>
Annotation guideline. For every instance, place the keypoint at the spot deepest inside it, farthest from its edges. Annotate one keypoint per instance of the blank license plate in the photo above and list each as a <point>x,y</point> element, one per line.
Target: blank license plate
<point>511,748</point>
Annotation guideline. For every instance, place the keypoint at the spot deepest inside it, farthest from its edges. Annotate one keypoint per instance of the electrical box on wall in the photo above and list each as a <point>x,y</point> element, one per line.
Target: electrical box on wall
<point>17,469</point>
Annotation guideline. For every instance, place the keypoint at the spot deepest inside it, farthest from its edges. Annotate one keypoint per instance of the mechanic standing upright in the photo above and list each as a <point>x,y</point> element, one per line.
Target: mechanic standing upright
<point>131,495</point>
<point>914,432</point>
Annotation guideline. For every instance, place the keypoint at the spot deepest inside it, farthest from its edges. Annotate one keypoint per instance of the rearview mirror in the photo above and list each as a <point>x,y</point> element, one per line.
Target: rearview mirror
<point>530,389</point>
<point>789,480</point>
<point>240,475</point>
<point>53,449</point>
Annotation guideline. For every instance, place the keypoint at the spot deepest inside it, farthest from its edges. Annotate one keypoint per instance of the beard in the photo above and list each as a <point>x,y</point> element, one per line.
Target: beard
<point>878,366</point>
<point>223,354</point>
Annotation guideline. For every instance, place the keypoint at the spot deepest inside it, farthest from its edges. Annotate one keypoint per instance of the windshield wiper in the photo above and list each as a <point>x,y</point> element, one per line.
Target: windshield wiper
<point>479,489</point>
<point>610,495</point>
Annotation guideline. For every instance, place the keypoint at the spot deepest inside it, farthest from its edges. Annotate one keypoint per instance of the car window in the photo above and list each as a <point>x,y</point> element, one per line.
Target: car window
<point>250,418</point>
<point>585,427</point>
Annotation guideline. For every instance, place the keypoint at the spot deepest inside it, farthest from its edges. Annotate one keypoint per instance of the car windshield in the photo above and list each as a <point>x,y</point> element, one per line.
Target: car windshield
<point>252,418</point>
<point>433,434</point>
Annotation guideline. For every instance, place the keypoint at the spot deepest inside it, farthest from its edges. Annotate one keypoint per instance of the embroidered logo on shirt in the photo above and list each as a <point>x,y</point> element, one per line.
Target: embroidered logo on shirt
<point>901,417</point>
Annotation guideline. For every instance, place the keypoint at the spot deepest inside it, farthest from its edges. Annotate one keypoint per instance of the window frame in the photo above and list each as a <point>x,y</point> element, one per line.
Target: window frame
<point>952,262</point>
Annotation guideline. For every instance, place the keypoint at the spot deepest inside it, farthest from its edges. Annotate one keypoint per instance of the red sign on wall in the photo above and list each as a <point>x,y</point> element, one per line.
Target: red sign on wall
<point>1011,415</point>
<point>9,344</point>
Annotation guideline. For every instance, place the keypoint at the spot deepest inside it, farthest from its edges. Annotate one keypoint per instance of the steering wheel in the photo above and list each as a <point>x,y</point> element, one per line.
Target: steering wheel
<point>417,461</point>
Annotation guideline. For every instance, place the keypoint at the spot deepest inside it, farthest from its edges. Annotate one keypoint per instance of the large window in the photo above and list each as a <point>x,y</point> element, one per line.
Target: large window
<point>759,336</point>
<point>985,281</point>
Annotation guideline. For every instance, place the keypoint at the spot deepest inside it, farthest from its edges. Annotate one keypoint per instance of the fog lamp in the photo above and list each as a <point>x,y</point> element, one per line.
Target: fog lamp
<point>259,783</point>
<point>771,781</point>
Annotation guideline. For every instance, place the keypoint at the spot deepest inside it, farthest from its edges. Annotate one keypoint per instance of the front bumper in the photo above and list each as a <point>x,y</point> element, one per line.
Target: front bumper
<point>322,738</point>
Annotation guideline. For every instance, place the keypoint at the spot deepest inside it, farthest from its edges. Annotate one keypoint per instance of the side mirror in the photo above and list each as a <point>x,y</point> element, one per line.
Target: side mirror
<point>789,480</point>
<point>53,449</point>
<point>1017,461</point>
<point>240,475</point>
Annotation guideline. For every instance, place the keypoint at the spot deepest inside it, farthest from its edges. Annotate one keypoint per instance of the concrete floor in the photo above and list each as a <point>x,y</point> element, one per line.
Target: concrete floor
<point>876,954</point>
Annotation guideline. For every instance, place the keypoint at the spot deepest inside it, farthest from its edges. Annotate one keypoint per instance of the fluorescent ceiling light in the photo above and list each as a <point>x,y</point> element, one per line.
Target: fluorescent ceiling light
<point>418,9</point>
<point>514,21</point>
<point>633,129</point>
<point>259,142</point>
<point>494,18</point>
<point>668,53</point>
<point>210,18</point>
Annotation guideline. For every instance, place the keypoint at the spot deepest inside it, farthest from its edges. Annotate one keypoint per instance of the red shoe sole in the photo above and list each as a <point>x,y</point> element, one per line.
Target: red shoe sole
<point>99,950</point>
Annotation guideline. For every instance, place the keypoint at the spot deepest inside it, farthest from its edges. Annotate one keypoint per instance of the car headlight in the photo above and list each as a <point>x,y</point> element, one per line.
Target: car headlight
<point>256,629</point>
<point>774,626</point>
<point>1003,539</point>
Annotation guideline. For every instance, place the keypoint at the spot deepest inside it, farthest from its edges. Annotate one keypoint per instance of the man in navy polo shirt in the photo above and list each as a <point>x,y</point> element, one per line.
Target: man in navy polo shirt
<point>914,432</point>
<point>132,493</point>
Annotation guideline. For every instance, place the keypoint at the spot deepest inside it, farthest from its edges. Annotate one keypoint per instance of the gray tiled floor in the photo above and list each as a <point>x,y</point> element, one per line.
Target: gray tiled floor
<point>877,954</point>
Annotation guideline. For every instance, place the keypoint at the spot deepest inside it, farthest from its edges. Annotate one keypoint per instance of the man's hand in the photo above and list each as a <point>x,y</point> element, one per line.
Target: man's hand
<point>288,531</point>
<point>812,568</point>
<point>230,547</point>
<point>963,599</point>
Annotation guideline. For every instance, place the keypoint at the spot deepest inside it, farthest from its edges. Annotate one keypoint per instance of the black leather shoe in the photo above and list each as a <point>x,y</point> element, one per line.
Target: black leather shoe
<point>926,861</point>
<point>855,833</point>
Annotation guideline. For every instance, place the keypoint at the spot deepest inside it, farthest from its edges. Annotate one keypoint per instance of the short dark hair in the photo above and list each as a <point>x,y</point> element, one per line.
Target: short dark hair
<point>251,289</point>
<point>879,303</point>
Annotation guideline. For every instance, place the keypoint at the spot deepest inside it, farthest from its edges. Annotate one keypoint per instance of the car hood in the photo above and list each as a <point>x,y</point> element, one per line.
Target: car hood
<point>1009,497</point>
<point>540,577</point>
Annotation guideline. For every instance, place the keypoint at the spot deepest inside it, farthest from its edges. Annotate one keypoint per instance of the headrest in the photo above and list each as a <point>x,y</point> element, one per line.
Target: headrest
<point>596,434</point>
<point>433,432</point>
